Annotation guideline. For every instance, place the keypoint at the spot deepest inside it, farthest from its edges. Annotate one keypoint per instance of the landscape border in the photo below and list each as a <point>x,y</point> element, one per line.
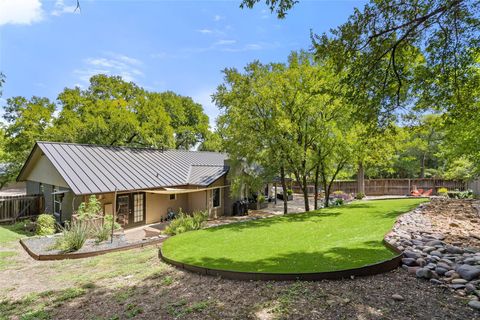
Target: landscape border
<point>80,255</point>
<point>368,270</point>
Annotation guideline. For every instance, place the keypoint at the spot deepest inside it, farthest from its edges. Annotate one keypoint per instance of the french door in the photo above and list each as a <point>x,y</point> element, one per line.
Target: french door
<point>131,209</point>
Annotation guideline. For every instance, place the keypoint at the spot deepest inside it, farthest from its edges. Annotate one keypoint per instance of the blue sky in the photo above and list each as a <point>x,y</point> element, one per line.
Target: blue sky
<point>161,45</point>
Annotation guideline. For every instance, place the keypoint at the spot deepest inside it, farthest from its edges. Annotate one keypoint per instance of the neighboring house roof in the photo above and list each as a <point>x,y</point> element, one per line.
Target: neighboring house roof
<point>89,169</point>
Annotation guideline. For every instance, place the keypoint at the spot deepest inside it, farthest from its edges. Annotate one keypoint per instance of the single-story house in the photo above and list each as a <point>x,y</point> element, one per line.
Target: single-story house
<point>138,185</point>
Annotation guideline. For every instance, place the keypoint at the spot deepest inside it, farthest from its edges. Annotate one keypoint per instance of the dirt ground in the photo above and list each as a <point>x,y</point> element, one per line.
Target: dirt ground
<point>135,284</point>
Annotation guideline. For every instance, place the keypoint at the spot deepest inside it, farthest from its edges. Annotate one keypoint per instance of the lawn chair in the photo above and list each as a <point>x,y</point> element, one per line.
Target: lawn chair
<point>427,193</point>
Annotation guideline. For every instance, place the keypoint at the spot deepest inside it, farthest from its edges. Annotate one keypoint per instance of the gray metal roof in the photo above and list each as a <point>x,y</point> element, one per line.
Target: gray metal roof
<point>203,175</point>
<point>91,169</point>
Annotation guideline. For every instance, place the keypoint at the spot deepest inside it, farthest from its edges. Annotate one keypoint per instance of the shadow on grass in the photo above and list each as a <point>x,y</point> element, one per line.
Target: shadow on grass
<point>333,259</point>
<point>18,228</point>
<point>313,216</point>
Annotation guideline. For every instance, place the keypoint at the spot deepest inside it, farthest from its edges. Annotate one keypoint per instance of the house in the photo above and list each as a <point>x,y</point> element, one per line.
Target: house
<point>139,185</point>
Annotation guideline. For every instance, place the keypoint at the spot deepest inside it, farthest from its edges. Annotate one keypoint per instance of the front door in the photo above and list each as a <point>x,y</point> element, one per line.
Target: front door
<point>131,209</point>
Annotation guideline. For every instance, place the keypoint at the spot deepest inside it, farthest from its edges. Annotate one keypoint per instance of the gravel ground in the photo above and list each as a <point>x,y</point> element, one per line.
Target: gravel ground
<point>44,245</point>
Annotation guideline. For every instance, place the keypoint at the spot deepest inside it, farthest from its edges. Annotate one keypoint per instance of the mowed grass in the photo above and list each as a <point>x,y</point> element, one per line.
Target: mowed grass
<point>325,240</point>
<point>11,232</point>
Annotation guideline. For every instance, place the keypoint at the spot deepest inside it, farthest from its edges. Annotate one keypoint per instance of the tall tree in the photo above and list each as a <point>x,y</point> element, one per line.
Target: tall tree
<point>381,38</point>
<point>190,123</point>
<point>251,119</point>
<point>27,121</point>
<point>114,112</point>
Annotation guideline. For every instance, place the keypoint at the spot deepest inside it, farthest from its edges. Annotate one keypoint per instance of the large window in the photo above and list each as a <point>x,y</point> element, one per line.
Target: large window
<point>57,200</point>
<point>216,197</point>
<point>138,207</point>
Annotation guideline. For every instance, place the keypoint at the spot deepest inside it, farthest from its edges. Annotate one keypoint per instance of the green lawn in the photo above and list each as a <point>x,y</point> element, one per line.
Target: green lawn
<point>11,232</point>
<point>325,240</point>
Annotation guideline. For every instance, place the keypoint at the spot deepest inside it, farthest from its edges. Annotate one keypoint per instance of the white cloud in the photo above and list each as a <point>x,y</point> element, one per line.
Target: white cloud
<point>224,42</point>
<point>205,31</point>
<point>130,69</point>
<point>20,11</point>
<point>218,17</point>
<point>60,8</point>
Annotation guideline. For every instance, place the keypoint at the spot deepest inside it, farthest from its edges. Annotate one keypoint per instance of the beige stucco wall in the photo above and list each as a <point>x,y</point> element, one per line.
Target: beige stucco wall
<point>45,172</point>
<point>197,201</point>
<point>158,204</point>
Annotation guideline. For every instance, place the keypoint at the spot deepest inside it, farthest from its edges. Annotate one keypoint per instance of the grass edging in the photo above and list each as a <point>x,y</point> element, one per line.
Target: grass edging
<point>80,255</point>
<point>368,270</point>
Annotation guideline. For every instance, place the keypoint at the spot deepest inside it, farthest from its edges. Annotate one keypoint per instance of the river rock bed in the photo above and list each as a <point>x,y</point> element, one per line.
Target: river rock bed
<point>441,244</point>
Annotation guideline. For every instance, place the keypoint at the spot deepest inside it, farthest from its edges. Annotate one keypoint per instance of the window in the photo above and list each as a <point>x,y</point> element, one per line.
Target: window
<point>41,188</point>
<point>216,197</point>
<point>173,197</point>
<point>57,200</point>
<point>138,200</point>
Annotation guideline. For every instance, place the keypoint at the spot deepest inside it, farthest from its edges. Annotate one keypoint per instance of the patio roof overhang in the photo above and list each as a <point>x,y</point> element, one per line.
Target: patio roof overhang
<point>180,191</point>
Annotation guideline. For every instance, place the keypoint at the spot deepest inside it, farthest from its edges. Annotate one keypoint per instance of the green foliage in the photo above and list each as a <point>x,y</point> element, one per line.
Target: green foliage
<point>26,122</point>
<point>359,195</point>
<point>90,209</point>
<point>442,192</point>
<point>45,225</point>
<point>100,233</point>
<point>460,169</point>
<point>467,194</point>
<point>212,142</point>
<point>289,192</point>
<point>107,222</point>
<point>73,237</point>
<point>186,222</point>
<point>261,198</point>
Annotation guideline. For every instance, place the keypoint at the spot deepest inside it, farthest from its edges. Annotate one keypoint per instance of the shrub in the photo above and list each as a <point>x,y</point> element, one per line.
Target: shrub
<point>339,201</point>
<point>360,196</point>
<point>443,192</point>
<point>337,192</point>
<point>73,238</point>
<point>90,209</point>
<point>45,225</point>
<point>107,222</point>
<point>186,223</point>
<point>467,194</point>
<point>101,233</point>
<point>289,192</point>
<point>261,198</point>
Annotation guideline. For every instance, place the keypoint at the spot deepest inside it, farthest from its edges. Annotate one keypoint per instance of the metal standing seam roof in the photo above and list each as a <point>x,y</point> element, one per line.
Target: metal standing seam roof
<point>90,169</point>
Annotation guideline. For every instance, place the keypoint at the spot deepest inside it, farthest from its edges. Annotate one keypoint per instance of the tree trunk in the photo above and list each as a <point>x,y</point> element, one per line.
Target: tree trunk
<point>326,189</point>
<point>315,196</point>
<point>361,178</point>
<point>284,187</point>
<point>305,193</point>
<point>422,170</point>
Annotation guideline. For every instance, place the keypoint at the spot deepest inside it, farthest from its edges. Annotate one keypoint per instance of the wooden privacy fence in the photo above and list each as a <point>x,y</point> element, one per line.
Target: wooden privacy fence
<point>394,187</point>
<point>13,208</point>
